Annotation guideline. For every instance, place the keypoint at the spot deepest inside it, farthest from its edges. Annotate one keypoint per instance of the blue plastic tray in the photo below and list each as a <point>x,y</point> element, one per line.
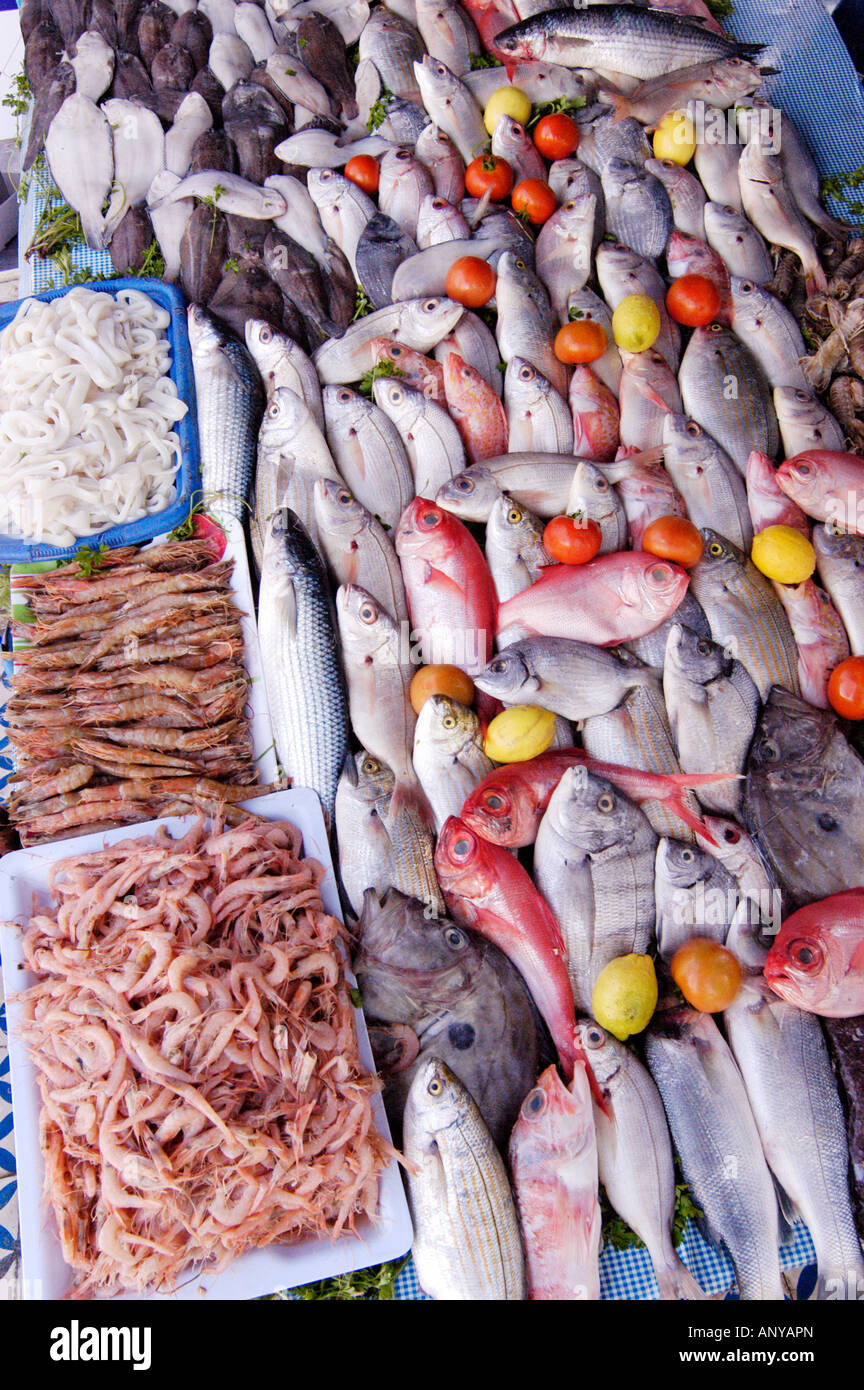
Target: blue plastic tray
<point>13,551</point>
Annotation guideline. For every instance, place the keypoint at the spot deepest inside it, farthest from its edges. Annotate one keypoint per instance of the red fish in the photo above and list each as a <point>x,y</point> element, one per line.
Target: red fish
<point>419,372</point>
<point>595,416</point>
<point>476,409</point>
<point>450,592</point>
<point>490,18</point>
<point>767,502</point>
<point>507,806</point>
<point>817,959</point>
<point>687,255</point>
<point>612,599</point>
<point>827,485</point>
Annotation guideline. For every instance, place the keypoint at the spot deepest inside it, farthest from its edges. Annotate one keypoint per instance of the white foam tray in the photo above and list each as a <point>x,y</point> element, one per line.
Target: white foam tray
<point>45,1274</point>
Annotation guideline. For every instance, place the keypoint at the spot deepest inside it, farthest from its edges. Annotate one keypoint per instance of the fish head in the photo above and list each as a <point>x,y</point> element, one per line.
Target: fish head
<point>555,1125</point>
<point>343,409</point>
<point>695,657</point>
<point>685,252</point>
<point>365,625</point>
<point>326,187</point>
<point>833,542</point>
<point>517,283</point>
<point>288,551</point>
<point>409,961</point>
<point>523,383</point>
<point>463,860</point>
<point>681,863</point>
<point>502,809</point>
<point>591,493</point>
<point>424,322</point>
<point>447,724</point>
<point>817,959</point>
<point>435,145</point>
<point>396,398</point>
<point>791,733</point>
<point>397,165</point>
<point>465,388</point>
<point>435,80</point>
<point>796,409</point>
<point>720,557</point>
<point>266,344</point>
<point>806,477</point>
<point>338,512</point>
<point>374,780</point>
<point>511,526</point>
<point>284,415</point>
<point>470,494</point>
<point>521,41</point>
<point>427,529</point>
<point>436,1100</point>
<point>618,173</point>
<point>606,1057</point>
<point>660,586</point>
<point>509,675</point>
<point>509,138</point>
<point>688,440</point>
<point>590,813</point>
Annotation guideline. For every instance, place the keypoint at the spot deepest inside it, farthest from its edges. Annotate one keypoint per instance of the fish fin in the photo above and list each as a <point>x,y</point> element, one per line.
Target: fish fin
<point>618,102</point>
<point>856,964</point>
<point>655,455</point>
<point>409,798</point>
<point>815,279</point>
<point>787,1212</point>
<point>675,1283</point>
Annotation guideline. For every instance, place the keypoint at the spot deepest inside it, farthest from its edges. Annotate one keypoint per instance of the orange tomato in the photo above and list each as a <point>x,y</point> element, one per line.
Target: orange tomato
<point>487,171</point>
<point>693,300</point>
<point>673,538</point>
<point>440,680</point>
<point>556,136</point>
<point>706,973</point>
<point>846,688</point>
<point>580,341</point>
<point>572,540</point>
<point>536,199</point>
<point>470,281</point>
<point>363,170</point>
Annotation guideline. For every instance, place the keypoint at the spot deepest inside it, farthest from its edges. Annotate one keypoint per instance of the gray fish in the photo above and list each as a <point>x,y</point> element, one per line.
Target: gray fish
<point>526,323</point>
<point>802,799</point>
<point>651,649</point>
<point>246,292</point>
<point>840,561</point>
<point>43,52</point>
<point>299,277</point>
<point>193,31</point>
<point>357,548</point>
<point>730,234</point>
<point>451,106</point>
<point>572,180</point>
<point>369,453</point>
<point>638,210</point>
<point>622,271</point>
<point>393,45</point>
<point>725,390</point>
<point>708,480</point>
<point>418,323</point>
<point>323,50</point>
<point>770,205</point>
<point>717,1141</point>
<point>538,416</point>
<point>173,68</point>
<point>563,252</point>
<point>203,251</point>
<point>281,362</point>
<point>448,755</point>
<point>212,150</point>
<point>449,33</point>
<point>457,997</point>
<point>770,332</point>
<point>846,1041</point>
<point>687,197</point>
<point>382,248</point>
<point>585,304</point>
<point>713,706</point>
<point>501,225</point>
<point>603,138</point>
<point>514,549</point>
<point>404,123</point>
<point>694,895</point>
<point>436,150</point>
<point>300,658</point>
<point>255,142</point>
<point>153,31</point>
<point>229,403</point>
<point>429,435</point>
<point>570,678</point>
<point>439,221</point>
<point>50,96</point>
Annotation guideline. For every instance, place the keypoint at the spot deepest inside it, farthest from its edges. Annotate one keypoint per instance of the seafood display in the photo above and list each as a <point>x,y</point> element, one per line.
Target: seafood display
<point>539,410</point>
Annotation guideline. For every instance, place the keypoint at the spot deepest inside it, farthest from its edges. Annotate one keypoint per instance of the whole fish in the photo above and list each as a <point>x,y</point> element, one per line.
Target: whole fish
<point>419,323</point>
<point>840,560</point>
<point>770,332</point>
<point>514,547</point>
<point>451,106</point>
<point>467,1243</point>
<point>621,272</point>
<point>553,1161</point>
<point>802,176</point>
<point>693,893</point>
<point>430,437</point>
<point>594,865</point>
<point>563,253</point>
<point>634,1155</point>
<point>230,403</point>
<point>169,220</point>
<point>511,141</point>
<point>281,362</point>
<point>80,153</point>
<point>738,242</point>
<point>784,1061</point>
<point>320,152</point>
<point>368,452</point>
<point>486,888</point>
<point>716,163</point>
<point>541,82</point>
<point>382,248</point>
<point>828,485</point>
<point>437,151</point>
<point>439,221</point>
<point>746,617</point>
<point>451,596</point>
<point>585,304</point>
<point>344,209</point>
<point>608,600</point>
<point>713,705</point>
<point>593,497</point>
<point>474,342</point>
<point>203,251</point>
<point>393,44</point>
<point>538,416</point>
<point>431,988</point>
<point>448,754</point>
<point>292,455</point>
<point>418,371</point>
<point>845,1036</point>
<point>301,220</point>
<point>819,635</point>
<point>767,503</point>
<point>404,183</point>
<point>641,482</point>
<point>770,205</point>
<point>805,423</point>
<point>725,390</point>
<point>573,181</point>
<point>689,255</point>
<point>230,193</point>
<point>638,210</point>
<point>140,153</point>
<point>687,197</point>
<point>815,961</point>
<point>738,853</point>
<point>526,324</point>
<point>357,548</point>
<point>801,798</point>
<point>476,410</point>
<point>717,1141</point>
<point>300,658</point>
<point>712,487</point>
<point>648,393</point>
<point>570,678</point>
<point>194,118</point>
<point>448,32</point>
<point>718,84</point>
<point>541,481</point>
<point>595,414</point>
<point>652,648</point>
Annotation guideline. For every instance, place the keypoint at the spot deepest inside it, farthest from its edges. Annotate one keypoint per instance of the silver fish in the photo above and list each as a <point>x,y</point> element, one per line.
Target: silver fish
<point>448,33</point>
<point>593,496</point>
<point>357,548</point>
<point>716,163</point>
<point>193,118</point>
<point>404,183</point>
<point>437,151</point>
<point>394,46</point>
<point>369,454</point>
<point>770,205</point>
<point>320,151</point>
<point>511,141</point>
<point>712,487</point>
<point>571,179</point>
<point>570,678</point>
<point>451,106</point>
<point>281,362</point>
<point>651,649</point>
<point>538,417</point>
<point>622,271</point>
<point>383,247</point>
<point>426,271</point>
<point>475,344</point>
<point>439,221</point>
<point>139,145</point>
<point>431,440</point>
<point>229,60</point>
<point>515,552</point>
<point>725,391</point>
<point>292,455</point>
<point>638,210</point>
<point>344,209</point>
<point>585,304</point>
<point>603,138</point>
<point>694,896</point>
<point>169,220</point>
<point>563,252</point>
<point>805,423</point>
<point>526,323</point>
<point>541,82</point>
<point>647,396</point>
<point>729,233</point>
<point>770,332</point>
<point>418,323</point>
<point>230,403</point>
<point>448,755</point>
<point>840,561</point>
<point>687,197</point>
<point>541,481</point>
<point>230,194</point>
<point>301,221</point>
<point>80,153</point>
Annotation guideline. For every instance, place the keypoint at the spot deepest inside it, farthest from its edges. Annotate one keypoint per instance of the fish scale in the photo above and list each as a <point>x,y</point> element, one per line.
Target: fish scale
<point>230,403</point>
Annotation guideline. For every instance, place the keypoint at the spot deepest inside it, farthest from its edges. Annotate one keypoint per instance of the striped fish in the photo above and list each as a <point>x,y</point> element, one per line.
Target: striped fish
<point>726,391</point>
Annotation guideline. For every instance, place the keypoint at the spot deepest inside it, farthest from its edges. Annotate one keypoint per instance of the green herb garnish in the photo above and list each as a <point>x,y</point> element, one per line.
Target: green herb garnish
<point>721,9</point>
<point>233,264</point>
<point>552,108</point>
<point>373,1284</point>
<point>89,559</point>
<point>685,1210</point>
<point>384,368</point>
<point>483,60</point>
<point>356,997</point>
<point>378,110</point>
<point>17,99</point>
<point>362,304</point>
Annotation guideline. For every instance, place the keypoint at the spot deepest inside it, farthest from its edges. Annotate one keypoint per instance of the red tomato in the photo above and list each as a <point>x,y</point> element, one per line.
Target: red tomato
<point>536,199</point>
<point>572,540</point>
<point>673,538</point>
<point>487,171</point>
<point>364,171</point>
<point>580,341</point>
<point>693,300</point>
<point>846,688</point>
<point>706,973</point>
<point>556,136</point>
<point>470,281</point>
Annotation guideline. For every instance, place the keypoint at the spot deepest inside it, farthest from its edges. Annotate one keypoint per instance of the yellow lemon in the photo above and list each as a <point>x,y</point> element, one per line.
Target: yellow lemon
<point>625,995</point>
<point>782,553</point>
<point>507,101</point>
<point>675,138</point>
<point>520,733</point>
<point>635,323</point>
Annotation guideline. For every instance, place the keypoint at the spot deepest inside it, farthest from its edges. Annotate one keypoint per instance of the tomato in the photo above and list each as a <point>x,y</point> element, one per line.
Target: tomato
<point>673,538</point>
<point>556,136</point>
<point>536,199</point>
<point>846,688</point>
<point>693,300</point>
<point>572,540</point>
<point>706,973</point>
<point>487,171</point>
<point>470,281</point>
<point>580,341</point>
<point>363,170</point>
<point>440,680</point>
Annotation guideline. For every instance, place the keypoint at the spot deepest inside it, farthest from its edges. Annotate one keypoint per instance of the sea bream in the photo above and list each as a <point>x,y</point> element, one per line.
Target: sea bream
<point>368,452</point>
<point>448,754</point>
<point>571,678</point>
<point>514,549</point>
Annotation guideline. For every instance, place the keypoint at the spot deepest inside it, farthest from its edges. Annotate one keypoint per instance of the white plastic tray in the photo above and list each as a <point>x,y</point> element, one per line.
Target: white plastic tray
<point>45,1274</point>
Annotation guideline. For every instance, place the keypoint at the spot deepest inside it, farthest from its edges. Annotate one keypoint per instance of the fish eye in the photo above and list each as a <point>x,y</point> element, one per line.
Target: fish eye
<point>441,69</point>
<point>325,175</point>
<point>429,306</point>
<point>715,548</point>
<point>594,1036</point>
<point>571,203</point>
<point>535,1103</point>
<point>266,333</point>
<point>514,516</point>
<point>806,954</point>
<point>498,665</point>
<point>715,328</point>
<point>438,203</point>
<point>345,394</point>
<point>464,484</point>
<point>430,519</point>
<point>601,484</point>
<point>526,374</point>
<point>687,856</point>
<point>494,802</point>
<point>802,396</point>
<point>660,574</point>
<point>436,1086</point>
<point>520,264</point>
<point>404,154</point>
<point>731,835</point>
<point>274,410</point>
<point>395,351</point>
<point>462,846</point>
<point>370,766</point>
<point>344,497</point>
<point>703,647</point>
<point>803,470</point>
<point>449,721</point>
<point>668,164</point>
<point>455,938</point>
<point>605,803</point>
<point>693,429</point>
<point>368,612</point>
<point>770,751</point>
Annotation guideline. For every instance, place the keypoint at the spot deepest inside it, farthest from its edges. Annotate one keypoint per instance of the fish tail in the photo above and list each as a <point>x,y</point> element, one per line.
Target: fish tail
<point>815,279</point>
<point>619,103</point>
<point>675,1282</point>
<point>675,802</point>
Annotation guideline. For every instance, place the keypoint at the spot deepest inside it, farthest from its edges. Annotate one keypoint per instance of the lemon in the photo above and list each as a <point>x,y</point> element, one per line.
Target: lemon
<point>782,553</point>
<point>635,323</point>
<point>625,995</point>
<point>675,138</point>
<point>520,733</point>
<point>507,101</point>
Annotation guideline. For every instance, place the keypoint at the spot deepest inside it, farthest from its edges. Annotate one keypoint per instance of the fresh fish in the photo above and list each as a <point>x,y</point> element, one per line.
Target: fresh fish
<point>840,562</point>
<point>541,82</point>
<point>486,888</point>
<point>526,324</point>
<point>593,497</point>
<point>448,755</point>
<point>230,61</point>
<point>515,552</point>
<point>647,395</point>
<point>541,481</point>
<point>169,220</point>
<point>770,333</point>
<point>725,390</point>
<point>651,649</point>
<point>621,272</point>
<point>714,492</point>
<point>301,220</point>
<point>323,50</point>
<point>716,1138</point>
<point>448,32</point>
<point>292,455</point>
<point>357,548</point>
<point>602,139</point>
<point>826,484</point>
<point>430,438</point>
<point>451,106</point>
<point>819,635</point>
<point>419,323</point>
<point>511,141</point>
<point>644,488</point>
<point>394,46</point>
<point>538,416</point>
<point>553,1161</point>
<point>476,344</point>
<point>805,423</point>
<point>594,865</point>
<point>713,705</point>
<point>203,252</point>
<point>687,255</point>
<point>447,993</point>
<point>405,121</point>
<point>404,183</point>
<point>716,163</point>
<point>212,150</point>
<point>344,209</point>
<point>381,249</point>
<point>193,119</point>
<point>475,409</point>
<point>694,895</point>
<point>802,797</point>
<point>230,404</point>
<point>718,84</point>
<point>782,1056</point>
<point>319,151</point>
<point>416,370</point>
<point>139,155</point>
<point>845,1038</point>
<point>501,226</point>
<point>738,853</point>
<point>815,959</point>
<point>93,62</point>
<point>563,253</point>
<point>770,205</point>
<point>253,28</point>
<point>281,363</point>
<point>570,678</point>
<point>573,181</point>
<point>467,1243</point>
<point>229,193</point>
<point>687,197</point>
<point>426,271</point>
<point>48,99</point>
<point>300,657</point>
<point>585,304</point>
<point>80,153</point>
<point>739,243</point>
<point>634,1154</point>
<point>638,210</point>
<point>437,151</point>
<point>368,453</point>
<point>767,504</point>
<point>803,179</point>
<point>439,221</point>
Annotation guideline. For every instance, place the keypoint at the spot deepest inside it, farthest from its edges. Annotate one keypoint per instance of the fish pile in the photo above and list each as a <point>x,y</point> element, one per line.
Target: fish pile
<point>400,455</point>
<point>196,1055</point>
